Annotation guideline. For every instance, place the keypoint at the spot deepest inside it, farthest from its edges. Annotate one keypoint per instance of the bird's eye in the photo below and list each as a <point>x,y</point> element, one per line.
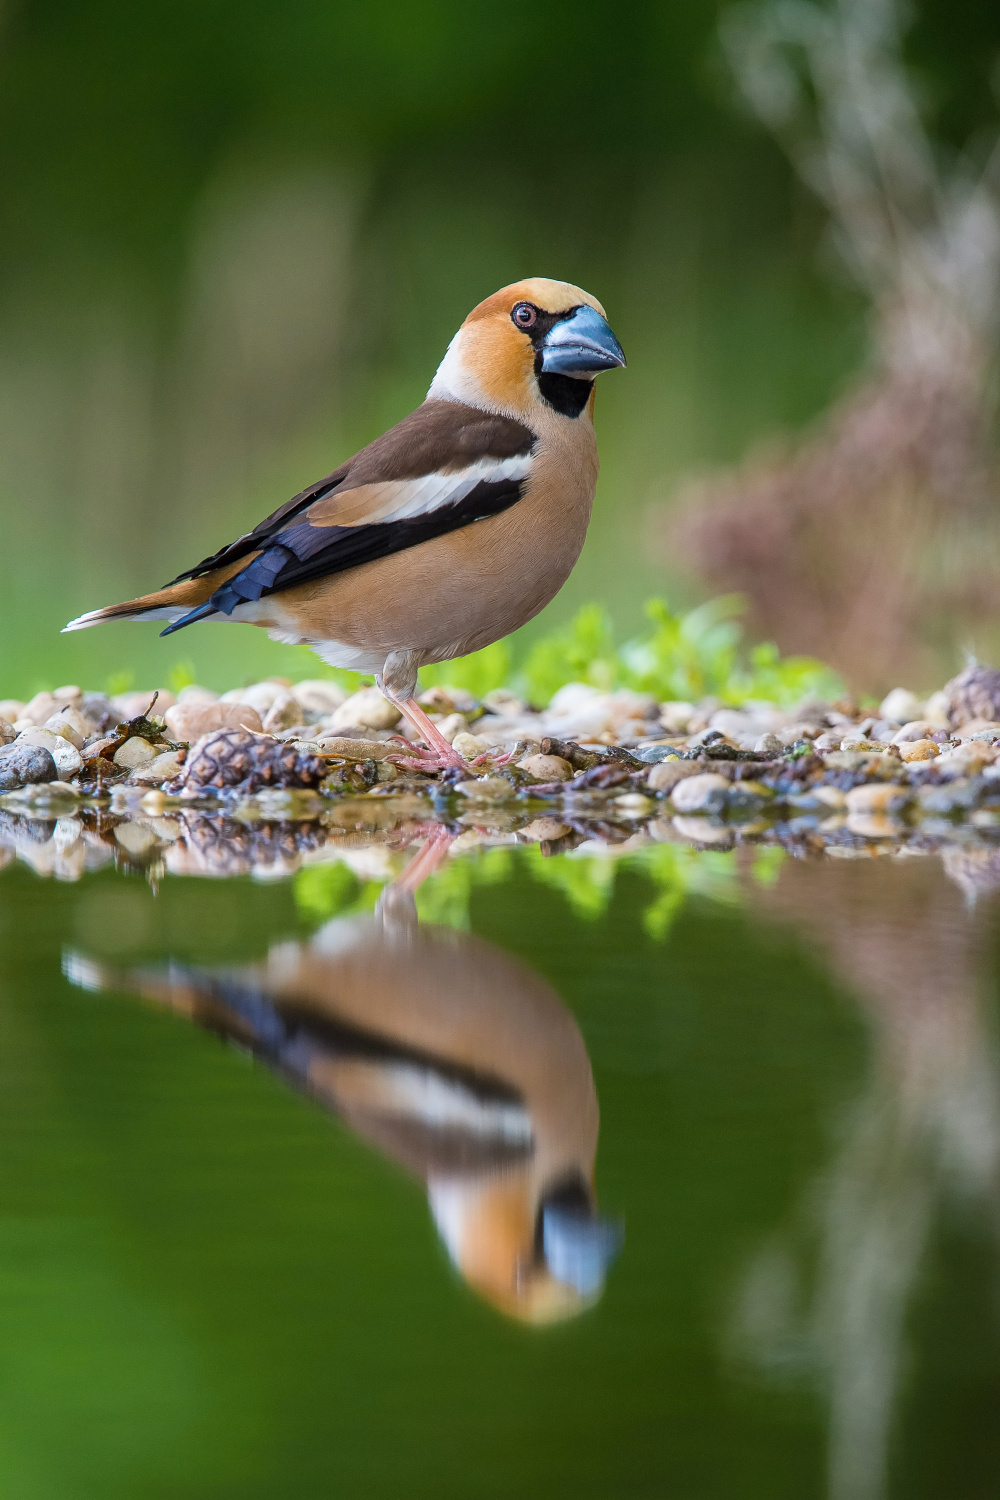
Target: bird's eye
<point>525,315</point>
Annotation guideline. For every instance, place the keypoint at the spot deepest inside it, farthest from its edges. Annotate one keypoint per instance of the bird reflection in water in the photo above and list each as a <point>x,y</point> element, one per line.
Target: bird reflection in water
<point>452,1059</point>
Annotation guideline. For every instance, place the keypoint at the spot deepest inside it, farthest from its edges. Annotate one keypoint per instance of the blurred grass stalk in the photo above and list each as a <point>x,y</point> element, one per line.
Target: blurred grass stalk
<point>871,543</point>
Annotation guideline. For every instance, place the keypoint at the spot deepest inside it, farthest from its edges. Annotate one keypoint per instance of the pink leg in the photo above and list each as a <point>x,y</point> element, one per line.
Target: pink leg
<point>440,756</point>
<point>439,841</point>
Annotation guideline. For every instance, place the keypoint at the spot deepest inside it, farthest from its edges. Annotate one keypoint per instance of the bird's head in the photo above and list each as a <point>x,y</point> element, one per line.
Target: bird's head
<point>535,343</point>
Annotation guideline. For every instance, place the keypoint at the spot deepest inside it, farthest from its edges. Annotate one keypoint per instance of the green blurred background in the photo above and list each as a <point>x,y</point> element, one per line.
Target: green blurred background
<point>235,239</point>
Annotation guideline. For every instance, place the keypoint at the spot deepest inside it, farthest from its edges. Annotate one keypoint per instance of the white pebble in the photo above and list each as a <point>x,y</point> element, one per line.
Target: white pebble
<point>366,709</point>
<point>901,705</point>
<point>705,792</point>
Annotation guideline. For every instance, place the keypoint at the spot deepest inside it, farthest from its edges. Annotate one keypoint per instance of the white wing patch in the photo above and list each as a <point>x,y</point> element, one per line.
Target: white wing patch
<point>403,499</point>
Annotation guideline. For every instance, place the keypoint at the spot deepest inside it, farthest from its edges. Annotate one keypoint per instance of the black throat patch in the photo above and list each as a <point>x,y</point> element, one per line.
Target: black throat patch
<point>565,393</point>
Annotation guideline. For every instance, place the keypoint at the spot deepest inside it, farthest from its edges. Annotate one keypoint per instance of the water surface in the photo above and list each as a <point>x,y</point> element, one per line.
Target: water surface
<point>641,1173</point>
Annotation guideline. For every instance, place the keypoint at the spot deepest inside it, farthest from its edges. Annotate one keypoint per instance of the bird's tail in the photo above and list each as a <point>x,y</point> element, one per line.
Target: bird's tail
<point>171,604</point>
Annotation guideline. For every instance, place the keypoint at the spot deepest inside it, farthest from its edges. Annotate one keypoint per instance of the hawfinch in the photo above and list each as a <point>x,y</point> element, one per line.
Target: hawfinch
<point>452,1059</point>
<point>446,533</point>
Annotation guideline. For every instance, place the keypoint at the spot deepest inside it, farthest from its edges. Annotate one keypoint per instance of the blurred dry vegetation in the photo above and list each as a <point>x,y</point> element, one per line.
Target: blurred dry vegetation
<point>875,541</point>
<point>235,240</point>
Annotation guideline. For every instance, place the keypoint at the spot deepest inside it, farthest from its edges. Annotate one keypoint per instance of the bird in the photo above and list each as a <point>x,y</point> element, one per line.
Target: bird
<point>443,535</point>
<point>452,1059</point>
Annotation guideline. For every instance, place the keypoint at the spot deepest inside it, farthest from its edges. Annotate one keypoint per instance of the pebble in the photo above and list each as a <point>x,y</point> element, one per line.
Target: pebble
<point>936,709</point>
<point>873,825</point>
<point>66,831</point>
<point>543,831</point>
<point>828,740</point>
<point>41,708</point>
<point>505,703</point>
<point>883,797</point>
<point>676,716</point>
<point>669,772</point>
<point>947,798</point>
<point>748,794</point>
<point>259,695</point>
<point>164,768</point>
<point>7,732</point>
<point>136,838</point>
<point>916,729</point>
<point>11,709</point>
<point>860,742</point>
<point>855,760</point>
<point>633,805</point>
<point>703,793</point>
<point>25,764</point>
<point>973,694</point>
<point>970,756</point>
<point>368,710</point>
<point>486,789</point>
<point>900,704</point>
<point>470,745</point>
<point>69,761</point>
<point>436,701</point>
<point>187,722</point>
<point>918,750</point>
<point>768,744</point>
<point>703,830</point>
<point>285,713</point>
<point>52,791</point>
<point>452,725</point>
<point>653,754</point>
<point>193,693</point>
<point>135,752</point>
<point>547,767</point>
<point>71,725</point>
<point>318,697</point>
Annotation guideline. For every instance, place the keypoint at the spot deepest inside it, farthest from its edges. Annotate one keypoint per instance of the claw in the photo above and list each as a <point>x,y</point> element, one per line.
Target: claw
<point>495,758</point>
<point>431,762</point>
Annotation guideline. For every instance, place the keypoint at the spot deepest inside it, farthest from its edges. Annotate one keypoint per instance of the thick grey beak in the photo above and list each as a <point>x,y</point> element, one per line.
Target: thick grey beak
<point>582,345</point>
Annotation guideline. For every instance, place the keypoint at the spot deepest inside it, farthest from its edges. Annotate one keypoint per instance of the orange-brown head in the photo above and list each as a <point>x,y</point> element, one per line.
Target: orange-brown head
<point>534,345</point>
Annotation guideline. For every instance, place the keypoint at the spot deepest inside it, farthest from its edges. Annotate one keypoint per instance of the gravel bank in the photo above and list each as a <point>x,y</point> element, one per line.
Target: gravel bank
<point>709,770</point>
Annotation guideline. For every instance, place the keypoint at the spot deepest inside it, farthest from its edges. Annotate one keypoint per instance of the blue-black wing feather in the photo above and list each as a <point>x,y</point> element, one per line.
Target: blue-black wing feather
<point>439,437</point>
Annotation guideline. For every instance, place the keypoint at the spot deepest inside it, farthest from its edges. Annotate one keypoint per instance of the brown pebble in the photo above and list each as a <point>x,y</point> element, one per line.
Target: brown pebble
<point>882,797</point>
<point>189,721</point>
<point>543,830</point>
<point>547,767</point>
<point>877,825</point>
<point>918,750</point>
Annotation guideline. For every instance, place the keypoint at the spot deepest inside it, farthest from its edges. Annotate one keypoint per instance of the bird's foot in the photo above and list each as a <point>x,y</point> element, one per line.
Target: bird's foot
<point>430,762</point>
<point>496,757</point>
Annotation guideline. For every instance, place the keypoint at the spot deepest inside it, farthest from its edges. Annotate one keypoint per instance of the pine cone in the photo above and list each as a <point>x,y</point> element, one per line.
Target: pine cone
<point>973,694</point>
<point>237,760</point>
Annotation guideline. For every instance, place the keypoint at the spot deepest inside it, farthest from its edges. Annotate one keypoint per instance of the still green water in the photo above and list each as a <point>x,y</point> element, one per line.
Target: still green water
<point>373,1260</point>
